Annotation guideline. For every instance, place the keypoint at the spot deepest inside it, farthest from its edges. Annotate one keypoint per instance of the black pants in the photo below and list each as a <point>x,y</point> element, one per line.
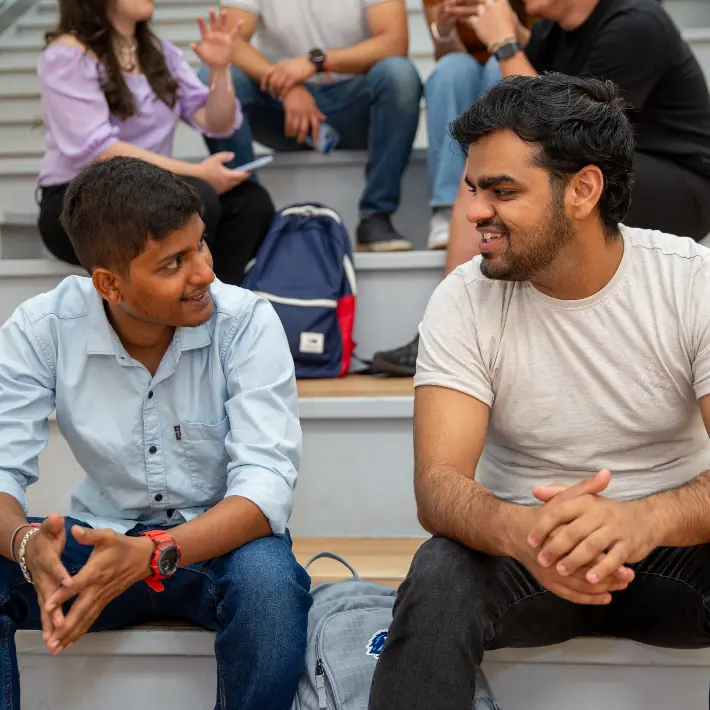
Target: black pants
<point>669,198</point>
<point>455,604</point>
<point>236,223</point>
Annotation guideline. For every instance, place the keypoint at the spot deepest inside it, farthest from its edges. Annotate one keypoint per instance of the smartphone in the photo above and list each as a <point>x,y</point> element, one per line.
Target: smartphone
<point>255,164</point>
<point>328,138</point>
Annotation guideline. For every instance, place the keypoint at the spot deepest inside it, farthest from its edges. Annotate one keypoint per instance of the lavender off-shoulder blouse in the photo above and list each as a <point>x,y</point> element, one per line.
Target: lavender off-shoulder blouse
<point>78,125</point>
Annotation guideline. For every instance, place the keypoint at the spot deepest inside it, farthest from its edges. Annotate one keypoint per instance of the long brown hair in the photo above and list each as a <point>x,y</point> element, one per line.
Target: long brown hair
<point>88,21</point>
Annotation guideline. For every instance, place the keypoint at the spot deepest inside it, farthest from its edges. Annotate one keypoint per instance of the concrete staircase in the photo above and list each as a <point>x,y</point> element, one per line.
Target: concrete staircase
<point>355,490</point>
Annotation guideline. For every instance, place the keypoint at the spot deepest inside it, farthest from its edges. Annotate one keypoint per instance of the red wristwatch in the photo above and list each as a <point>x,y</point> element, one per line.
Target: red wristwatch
<point>166,558</point>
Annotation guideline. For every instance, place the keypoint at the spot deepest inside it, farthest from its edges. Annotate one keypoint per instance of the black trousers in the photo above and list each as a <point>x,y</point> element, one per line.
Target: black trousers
<point>236,224</point>
<point>669,198</point>
<point>455,604</point>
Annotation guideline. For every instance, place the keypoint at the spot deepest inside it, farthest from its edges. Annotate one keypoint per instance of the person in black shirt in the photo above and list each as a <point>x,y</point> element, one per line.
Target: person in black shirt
<point>635,44</point>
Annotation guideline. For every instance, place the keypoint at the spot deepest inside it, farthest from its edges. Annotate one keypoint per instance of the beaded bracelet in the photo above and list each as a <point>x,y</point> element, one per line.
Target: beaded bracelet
<point>23,546</point>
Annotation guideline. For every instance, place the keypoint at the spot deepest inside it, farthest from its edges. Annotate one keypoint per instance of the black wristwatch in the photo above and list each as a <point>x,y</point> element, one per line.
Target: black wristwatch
<point>507,50</point>
<point>317,58</point>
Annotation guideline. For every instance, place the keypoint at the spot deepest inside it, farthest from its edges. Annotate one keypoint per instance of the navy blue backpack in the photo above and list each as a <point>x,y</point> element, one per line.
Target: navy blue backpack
<point>304,267</point>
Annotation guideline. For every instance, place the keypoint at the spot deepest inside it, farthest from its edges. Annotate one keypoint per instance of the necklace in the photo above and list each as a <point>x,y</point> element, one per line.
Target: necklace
<point>127,58</point>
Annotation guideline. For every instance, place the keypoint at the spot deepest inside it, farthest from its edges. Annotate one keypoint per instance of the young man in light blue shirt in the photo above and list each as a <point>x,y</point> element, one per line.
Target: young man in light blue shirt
<point>177,396</point>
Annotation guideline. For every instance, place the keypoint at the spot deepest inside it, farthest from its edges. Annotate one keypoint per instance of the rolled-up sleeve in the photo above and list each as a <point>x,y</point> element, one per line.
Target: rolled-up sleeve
<point>264,441</point>
<point>27,387</point>
<point>193,94</point>
<point>75,108</point>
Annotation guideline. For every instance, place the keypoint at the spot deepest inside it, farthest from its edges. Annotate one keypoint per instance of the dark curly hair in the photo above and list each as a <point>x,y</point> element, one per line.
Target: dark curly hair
<point>575,122</point>
<point>88,21</point>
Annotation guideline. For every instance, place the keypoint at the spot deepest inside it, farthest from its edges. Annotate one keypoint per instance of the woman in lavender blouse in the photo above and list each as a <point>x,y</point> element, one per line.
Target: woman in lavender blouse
<point>110,87</point>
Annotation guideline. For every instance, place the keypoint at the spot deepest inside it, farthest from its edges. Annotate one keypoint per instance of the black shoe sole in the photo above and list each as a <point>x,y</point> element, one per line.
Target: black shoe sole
<point>392,369</point>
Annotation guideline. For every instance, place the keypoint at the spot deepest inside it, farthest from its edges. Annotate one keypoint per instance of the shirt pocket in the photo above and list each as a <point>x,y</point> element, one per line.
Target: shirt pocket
<point>206,454</point>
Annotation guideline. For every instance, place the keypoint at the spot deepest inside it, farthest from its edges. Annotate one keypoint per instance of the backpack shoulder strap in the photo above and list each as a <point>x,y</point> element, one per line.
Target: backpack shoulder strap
<point>337,558</point>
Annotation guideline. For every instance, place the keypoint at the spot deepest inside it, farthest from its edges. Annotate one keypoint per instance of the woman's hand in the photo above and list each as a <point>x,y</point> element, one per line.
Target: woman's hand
<point>213,171</point>
<point>217,43</point>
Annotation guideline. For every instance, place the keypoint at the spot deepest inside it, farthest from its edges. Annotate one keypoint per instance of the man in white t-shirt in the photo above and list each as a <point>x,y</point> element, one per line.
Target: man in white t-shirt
<point>340,63</point>
<point>572,347</point>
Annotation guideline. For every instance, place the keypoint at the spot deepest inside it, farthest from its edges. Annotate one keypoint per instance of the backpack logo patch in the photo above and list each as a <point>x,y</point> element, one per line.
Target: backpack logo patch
<point>312,343</point>
<point>376,643</point>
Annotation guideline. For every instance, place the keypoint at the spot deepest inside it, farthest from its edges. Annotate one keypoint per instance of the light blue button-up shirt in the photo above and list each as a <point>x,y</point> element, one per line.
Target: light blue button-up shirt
<point>219,418</point>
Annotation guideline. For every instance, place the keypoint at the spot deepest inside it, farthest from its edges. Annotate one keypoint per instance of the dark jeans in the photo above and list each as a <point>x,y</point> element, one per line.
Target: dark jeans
<point>378,111</point>
<point>256,599</point>
<point>236,223</point>
<point>669,198</point>
<point>455,604</point>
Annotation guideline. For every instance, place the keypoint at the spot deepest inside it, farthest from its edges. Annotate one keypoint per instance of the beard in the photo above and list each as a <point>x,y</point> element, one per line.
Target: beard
<point>539,245</point>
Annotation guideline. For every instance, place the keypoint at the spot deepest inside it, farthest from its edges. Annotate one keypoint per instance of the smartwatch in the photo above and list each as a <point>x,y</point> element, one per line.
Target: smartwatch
<point>166,558</point>
<point>507,49</point>
<point>317,58</point>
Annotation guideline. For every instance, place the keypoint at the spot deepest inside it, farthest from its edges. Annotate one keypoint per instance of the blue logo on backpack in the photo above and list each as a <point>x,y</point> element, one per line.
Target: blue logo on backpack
<point>304,268</point>
<point>377,643</point>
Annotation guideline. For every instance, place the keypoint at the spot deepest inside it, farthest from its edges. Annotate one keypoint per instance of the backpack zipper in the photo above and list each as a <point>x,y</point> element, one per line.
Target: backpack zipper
<point>320,685</point>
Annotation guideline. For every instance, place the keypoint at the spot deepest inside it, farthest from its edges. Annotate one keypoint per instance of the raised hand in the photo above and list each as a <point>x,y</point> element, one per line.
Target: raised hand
<point>217,41</point>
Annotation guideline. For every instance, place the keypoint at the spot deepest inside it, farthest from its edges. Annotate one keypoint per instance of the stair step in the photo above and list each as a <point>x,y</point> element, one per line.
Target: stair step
<point>43,18</point>
<point>336,180</point>
<point>147,667</point>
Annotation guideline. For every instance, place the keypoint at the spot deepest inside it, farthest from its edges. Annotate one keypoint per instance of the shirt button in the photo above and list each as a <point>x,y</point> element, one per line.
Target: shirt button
<point>152,450</point>
<point>170,512</point>
<point>150,394</point>
<point>158,497</point>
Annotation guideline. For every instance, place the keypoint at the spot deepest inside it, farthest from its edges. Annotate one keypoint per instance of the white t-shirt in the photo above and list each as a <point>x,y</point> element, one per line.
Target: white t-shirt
<point>291,28</point>
<point>610,381</point>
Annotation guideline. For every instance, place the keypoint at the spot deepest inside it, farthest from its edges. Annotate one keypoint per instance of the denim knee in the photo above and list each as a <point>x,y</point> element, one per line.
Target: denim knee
<point>397,77</point>
<point>266,593</point>
<point>457,69</point>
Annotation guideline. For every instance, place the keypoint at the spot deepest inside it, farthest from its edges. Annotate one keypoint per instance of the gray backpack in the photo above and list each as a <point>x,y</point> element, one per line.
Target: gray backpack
<point>347,628</point>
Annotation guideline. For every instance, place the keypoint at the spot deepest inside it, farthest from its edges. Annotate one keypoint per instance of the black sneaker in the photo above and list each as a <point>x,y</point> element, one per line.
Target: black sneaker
<point>376,233</point>
<point>400,362</point>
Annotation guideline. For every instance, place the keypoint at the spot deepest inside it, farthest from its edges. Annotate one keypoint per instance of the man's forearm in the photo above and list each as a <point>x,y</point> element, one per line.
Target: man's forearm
<point>230,524</point>
<point>517,65</point>
<point>456,507</point>
<point>682,515</point>
<point>251,61</point>
<point>11,517</point>
<point>361,57</point>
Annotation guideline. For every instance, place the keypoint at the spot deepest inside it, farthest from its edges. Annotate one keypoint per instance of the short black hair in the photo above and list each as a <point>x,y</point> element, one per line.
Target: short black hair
<point>112,208</point>
<point>575,121</point>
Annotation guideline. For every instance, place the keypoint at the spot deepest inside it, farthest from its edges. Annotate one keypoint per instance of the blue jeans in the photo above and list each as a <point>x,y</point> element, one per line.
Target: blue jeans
<point>456,82</point>
<point>256,598</point>
<point>378,111</point>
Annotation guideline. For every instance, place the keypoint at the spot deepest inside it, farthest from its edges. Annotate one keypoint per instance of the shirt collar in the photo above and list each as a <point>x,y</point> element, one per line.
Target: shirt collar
<point>104,341</point>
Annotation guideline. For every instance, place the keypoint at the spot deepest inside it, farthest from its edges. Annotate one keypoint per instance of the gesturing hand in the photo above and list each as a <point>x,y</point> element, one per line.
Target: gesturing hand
<point>577,528</point>
<point>116,563</point>
<point>43,556</point>
<point>216,44</point>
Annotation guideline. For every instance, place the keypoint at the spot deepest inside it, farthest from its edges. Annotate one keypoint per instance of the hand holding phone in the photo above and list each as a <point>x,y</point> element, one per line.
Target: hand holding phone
<point>255,164</point>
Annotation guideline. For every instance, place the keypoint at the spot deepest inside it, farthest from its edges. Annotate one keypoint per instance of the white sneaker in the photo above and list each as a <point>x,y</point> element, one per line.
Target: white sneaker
<point>439,230</point>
